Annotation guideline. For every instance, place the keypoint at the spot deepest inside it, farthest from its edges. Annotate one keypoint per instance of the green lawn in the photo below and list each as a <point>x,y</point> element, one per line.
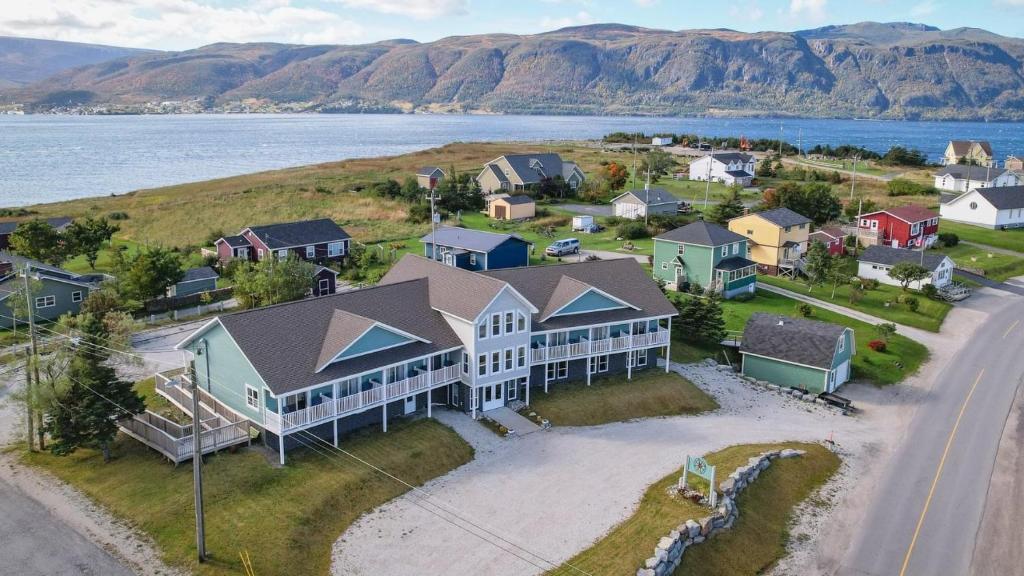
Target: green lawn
<point>902,358</point>
<point>612,398</point>
<point>756,540</point>
<point>929,315</point>
<point>285,518</point>
<point>688,353</point>
<point>997,266</point>
<point>1007,239</point>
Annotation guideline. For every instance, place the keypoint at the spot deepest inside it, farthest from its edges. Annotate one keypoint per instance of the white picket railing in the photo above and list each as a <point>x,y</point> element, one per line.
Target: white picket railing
<point>603,346</point>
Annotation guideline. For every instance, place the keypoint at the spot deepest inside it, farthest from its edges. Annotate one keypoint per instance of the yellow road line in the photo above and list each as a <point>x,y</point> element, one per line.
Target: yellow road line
<point>938,471</point>
<point>1010,329</point>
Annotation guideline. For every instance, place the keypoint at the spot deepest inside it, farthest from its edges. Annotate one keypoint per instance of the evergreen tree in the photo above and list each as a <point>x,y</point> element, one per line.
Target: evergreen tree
<point>700,321</point>
<point>727,209</point>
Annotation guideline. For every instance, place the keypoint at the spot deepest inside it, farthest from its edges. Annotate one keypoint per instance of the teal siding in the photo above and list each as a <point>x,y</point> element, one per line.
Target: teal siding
<point>375,339</point>
<point>63,302</point>
<point>224,371</point>
<point>847,352</point>
<point>589,302</point>
<point>785,374</point>
<point>741,283</point>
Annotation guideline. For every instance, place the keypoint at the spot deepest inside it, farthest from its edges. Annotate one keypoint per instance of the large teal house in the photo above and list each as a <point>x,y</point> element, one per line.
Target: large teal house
<point>707,254</point>
<point>796,352</point>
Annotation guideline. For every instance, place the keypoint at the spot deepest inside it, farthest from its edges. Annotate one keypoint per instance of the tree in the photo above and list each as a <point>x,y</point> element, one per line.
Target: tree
<point>88,236</point>
<point>727,209</point>
<point>854,209</point>
<point>700,321</point>
<point>614,175</point>
<point>900,156</point>
<point>764,168</point>
<point>148,273</point>
<point>818,264</point>
<point>37,240</point>
<point>18,304</point>
<point>411,191</point>
<point>814,200</point>
<point>906,273</point>
<point>271,281</point>
<point>85,415</point>
<point>885,330</point>
<point>658,162</point>
<point>837,276</point>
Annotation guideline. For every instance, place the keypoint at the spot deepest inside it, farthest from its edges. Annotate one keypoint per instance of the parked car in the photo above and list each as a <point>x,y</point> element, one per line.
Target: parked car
<point>563,247</point>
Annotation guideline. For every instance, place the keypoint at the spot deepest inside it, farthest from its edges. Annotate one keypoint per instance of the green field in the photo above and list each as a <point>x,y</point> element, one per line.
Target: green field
<point>997,266</point>
<point>756,540</point>
<point>1012,239</point>
<point>902,358</point>
<point>613,398</point>
<point>879,302</point>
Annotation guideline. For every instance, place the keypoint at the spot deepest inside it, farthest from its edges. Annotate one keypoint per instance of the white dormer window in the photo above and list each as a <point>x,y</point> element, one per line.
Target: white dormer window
<point>310,252</point>
<point>495,324</point>
<point>842,343</point>
<point>481,330</point>
<point>725,250</point>
<point>521,322</point>
<point>736,248</point>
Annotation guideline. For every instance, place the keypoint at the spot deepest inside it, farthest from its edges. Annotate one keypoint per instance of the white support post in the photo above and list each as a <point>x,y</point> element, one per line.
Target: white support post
<point>473,398</point>
<point>629,364</point>
<point>384,411</point>
<point>527,391</point>
<point>545,377</point>
<point>589,359</point>
<point>335,432</point>
<point>668,345</point>
<point>384,394</point>
<point>430,386</point>
<point>280,433</point>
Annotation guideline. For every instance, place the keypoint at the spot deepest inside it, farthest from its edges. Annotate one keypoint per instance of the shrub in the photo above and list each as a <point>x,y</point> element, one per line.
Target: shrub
<point>805,310</point>
<point>949,239</point>
<point>870,284</point>
<point>632,231</point>
<point>419,213</point>
<point>117,216</point>
<point>696,289</point>
<point>930,291</point>
<point>613,221</point>
<point>877,345</point>
<point>912,303</point>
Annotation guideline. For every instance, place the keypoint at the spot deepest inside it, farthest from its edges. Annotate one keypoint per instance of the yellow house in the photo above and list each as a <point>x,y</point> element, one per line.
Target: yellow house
<point>515,207</point>
<point>776,238</point>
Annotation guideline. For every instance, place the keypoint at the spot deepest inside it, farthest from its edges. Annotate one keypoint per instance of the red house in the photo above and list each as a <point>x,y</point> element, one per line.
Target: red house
<point>832,238</point>
<point>902,227</point>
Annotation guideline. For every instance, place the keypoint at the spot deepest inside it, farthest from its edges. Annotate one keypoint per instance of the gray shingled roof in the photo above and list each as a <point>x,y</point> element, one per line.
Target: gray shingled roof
<point>57,223</point>
<point>889,256</point>
<point>734,263</point>
<point>518,199</point>
<point>236,241</point>
<point>738,173</point>
<point>200,273</point>
<point>498,173</point>
<point>343,329</point>
<point>520,163</point>
<point>963,147</point>
<point>428,170</point>
<point>1003,197</point>
<point>726,157</point>
<point>459,292</point>
<point>797,340</point>
<point>467,239</point>
<point>650,197</point>
<point>284,342</point>
<point>784,217</point>
<point>701,233</point>
<point>979,173</point>
<point>287,234</point>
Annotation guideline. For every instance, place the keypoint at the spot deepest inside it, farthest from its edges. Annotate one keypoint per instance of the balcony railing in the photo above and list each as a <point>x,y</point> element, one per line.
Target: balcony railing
<point>377,396</point>
<point>585,348</point>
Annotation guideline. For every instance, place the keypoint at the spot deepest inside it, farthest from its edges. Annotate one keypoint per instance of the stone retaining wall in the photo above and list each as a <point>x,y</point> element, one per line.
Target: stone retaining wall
<point>669,551</point>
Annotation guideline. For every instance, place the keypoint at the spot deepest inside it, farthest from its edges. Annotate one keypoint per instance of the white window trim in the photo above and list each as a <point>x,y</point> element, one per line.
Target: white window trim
<point>486,330</point>
<point>509,359</point>
<point>465,363</point>
<point>522,322</point>
<point>76,296</point>
<point>310,251</point>
<point>472,258</point>
<point>512,391</point>
<point>334,248</point>
<point>282,254</point>
<point>323,285</point>
<point>510,323</point>
<point>496,359</point>
<point>736,248</point>
<point>842,342</point>
<point>496,324</point>
<point>602,360</point>
<point>249,399</point>
<point>521,357</point>
<point>47,301</point>
<point>481,367</point>
<point>259,253</point>
<point>725,250</point>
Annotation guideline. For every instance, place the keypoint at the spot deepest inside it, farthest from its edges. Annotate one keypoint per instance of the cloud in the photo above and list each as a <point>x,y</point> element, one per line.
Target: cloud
<point>581,18</point>
<point>748,12</point>
<point>176,24</point>
<point>813,10</point>
<point>923,9</point>
<point>419,9</point>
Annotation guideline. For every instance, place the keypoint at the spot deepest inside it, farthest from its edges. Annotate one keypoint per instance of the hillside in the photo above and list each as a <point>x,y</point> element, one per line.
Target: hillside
<point>894,70</point>
<point>27,60</point>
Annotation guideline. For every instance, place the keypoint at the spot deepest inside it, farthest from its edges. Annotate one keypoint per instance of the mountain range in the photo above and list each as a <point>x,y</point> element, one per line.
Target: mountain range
<point>866,70</point>
<point>27,60</point>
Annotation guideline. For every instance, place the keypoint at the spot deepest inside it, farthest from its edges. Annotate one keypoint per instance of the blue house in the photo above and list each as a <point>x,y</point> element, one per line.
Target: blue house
<point>476,250</point>
<point>195,281</point>
<point>54,291</point>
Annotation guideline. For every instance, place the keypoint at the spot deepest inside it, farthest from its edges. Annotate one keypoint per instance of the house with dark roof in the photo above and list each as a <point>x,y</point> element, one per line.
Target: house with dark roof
<point>977,152</point>
<point>901,226</point>
<point>876,262</point>
<point>195,281</point>
<point>511,207</point>
<point>476,249</point>
<point>726,167</point>
<point>796,352</point>
<point>320,240</point>
<point>8,228</point>
<point>832,237</point>
<point>963,178</point>
<point>634,204</point>
<point>429,177</point>
<point>428,335</point>
<point>997,208</point>
<point>777,238</point>
<point>705,254</point>
<point>53,291</point>
<point>513,172</point>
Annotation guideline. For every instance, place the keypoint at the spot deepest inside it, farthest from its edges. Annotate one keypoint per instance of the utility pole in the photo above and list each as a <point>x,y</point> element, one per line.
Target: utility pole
<point>647,194</point>
<point>853,181</point>
<point>197,457</point>
<point>34,362</point>
<point>433,225</point>
<point>29,432</point>
<point>633,185</point>
<point>707,186</point>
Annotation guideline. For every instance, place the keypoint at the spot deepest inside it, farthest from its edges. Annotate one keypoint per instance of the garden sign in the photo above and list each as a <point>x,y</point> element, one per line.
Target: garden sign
<point>700,467</point>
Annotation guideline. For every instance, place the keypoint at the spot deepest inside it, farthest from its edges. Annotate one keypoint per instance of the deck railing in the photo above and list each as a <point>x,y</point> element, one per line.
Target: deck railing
<point>584,348</point>
<point>175,441</point>
<point>376,396</point>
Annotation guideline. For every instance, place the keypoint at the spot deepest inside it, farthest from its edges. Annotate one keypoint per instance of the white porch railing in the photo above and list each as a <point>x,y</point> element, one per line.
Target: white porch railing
<point>585,348</point>
<point>377,396</point>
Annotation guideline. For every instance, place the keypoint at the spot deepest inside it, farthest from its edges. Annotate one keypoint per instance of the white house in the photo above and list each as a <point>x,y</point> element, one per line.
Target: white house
<point>635,204</point>
<point>1001,207</point>
<point>725,167</point>
<point>877,261</point>
<point>961,178</point>
<point>661,141</point>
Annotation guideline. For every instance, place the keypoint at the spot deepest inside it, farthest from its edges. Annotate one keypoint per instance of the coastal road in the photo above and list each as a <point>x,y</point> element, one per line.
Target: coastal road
<point>924,517</point>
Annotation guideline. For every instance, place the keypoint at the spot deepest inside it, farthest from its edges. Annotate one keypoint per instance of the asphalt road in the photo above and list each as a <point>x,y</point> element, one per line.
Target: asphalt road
<point>924,517</point>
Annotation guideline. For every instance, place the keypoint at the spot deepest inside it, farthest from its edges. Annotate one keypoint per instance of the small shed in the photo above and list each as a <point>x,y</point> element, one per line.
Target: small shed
<point>195,281</point>
<point>325,281</point>
<point>515,207</point>
<point>639,203</point>
<point>797,352</point>
<point>832,237</point>
<point>429,177</point>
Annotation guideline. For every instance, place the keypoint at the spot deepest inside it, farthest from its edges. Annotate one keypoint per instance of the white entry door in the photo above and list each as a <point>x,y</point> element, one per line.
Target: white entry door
<point>842,374</point>
<point>410,404</point>
<point>493,396</point>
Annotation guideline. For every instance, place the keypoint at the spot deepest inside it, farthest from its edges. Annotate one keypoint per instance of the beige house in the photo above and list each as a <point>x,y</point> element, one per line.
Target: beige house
<point>777,239</point>
<point>429,177</point>
<point>513,172</point>
<point>516,207</point>
<point>1014,164</point>
<point>978,151</point>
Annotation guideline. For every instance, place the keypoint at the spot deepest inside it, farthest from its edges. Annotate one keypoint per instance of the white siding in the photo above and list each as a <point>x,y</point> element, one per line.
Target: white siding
<point>982,213</point>
<point>943,274</point>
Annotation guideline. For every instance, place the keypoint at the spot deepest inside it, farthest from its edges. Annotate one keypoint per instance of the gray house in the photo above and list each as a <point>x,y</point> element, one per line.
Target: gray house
<point>195,281</point>
<point>520,171</point>
<point>635,204</point>
<point>54,291</point>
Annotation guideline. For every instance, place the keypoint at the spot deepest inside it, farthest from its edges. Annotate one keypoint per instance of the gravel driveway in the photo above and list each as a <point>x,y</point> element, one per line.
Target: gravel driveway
<point>556,492</point>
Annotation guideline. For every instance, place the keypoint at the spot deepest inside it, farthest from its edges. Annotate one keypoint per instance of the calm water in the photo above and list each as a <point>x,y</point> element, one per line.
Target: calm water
<point>50,158</point>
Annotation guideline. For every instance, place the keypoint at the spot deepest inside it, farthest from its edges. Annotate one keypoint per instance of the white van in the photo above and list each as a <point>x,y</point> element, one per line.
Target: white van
<point>563,247</point>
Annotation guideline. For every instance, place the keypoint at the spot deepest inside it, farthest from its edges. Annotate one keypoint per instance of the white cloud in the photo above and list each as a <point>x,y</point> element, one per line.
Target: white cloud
<point>748,12</point>
<point>176,24</point>
<point>420,9</point>
<point>813,10</point>
<point>923,9</point>
<point>581,18</point>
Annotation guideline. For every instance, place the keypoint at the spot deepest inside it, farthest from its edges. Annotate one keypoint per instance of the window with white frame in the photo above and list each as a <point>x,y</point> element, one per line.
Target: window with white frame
<point>508,359</point>
<point>310,252</point>
<point>664,265</point>
<point>550,371</point>
<point>465,363</point>
<point>334,249</point>
<point>495,324</point>
<point>641,357</point>
<point>472,258</point>
<point>76,296</point>
<point>521,357</point>
<point>509,322</point>
<point>521,322</point>
<point>513,389</point>
<point>252,397</point>
<point>842,343</point>
<point>736,248</point>
<point>725,250</point>
<point>282,254</point>
<point>681,249</point>
<point>46,301</point>
<point>602,363</point>
<point>325,286</point>
<point>481,330</point>
<point>495,362</point>
<point>563,369</point>
<point>482,365</point>
<point>259,253</point>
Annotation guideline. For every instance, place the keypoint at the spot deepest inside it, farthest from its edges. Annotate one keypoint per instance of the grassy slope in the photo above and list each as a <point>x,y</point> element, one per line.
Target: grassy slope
<point>929,315</point>
<point>879,368</point>
<point>614,399</point>
<point>758,537</point>
<point>1006,239</point>
<point>286,518</point>
<point>997,266</point>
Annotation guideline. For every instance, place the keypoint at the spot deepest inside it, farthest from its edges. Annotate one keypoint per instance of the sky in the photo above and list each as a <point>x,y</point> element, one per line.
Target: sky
<point>184,24</point>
